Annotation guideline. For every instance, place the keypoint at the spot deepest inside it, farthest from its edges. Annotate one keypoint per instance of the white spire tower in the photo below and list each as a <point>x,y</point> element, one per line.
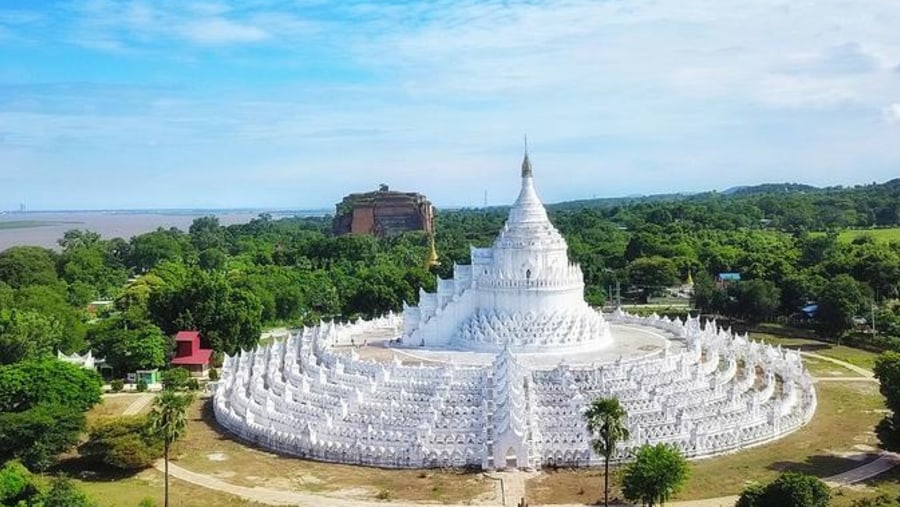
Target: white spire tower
<point>523,292</point>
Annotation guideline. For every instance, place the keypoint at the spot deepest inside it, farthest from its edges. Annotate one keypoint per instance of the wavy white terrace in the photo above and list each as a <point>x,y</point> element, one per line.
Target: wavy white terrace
<point>496,368</point>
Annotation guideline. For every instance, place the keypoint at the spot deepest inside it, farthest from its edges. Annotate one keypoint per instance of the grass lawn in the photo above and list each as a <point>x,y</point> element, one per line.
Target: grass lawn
<point>857,357</point>
<point>880,235</point>
<point>128,491</point>
<point>843,426</point>
<point>112,405</point>
<point>211,450</point>
<point>826,369</point>
<point>887,483</point>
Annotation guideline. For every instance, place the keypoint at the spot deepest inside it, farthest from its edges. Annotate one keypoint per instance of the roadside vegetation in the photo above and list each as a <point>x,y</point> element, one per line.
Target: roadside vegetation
<point>818,269</point>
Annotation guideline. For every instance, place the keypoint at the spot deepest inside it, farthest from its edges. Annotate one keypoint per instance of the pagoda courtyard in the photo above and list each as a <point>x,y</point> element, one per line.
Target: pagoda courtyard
<point>495,369</point>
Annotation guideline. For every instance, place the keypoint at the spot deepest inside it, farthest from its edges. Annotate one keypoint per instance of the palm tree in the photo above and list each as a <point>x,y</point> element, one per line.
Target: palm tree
<point>606,424</point>
<point>169,419</point>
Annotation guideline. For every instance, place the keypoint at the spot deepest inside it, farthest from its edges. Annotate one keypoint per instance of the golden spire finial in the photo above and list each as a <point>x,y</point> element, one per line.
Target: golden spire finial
<point>432,255</point>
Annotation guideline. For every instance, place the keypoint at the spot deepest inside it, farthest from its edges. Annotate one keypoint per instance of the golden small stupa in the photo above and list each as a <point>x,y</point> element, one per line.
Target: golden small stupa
<point>432,256</point>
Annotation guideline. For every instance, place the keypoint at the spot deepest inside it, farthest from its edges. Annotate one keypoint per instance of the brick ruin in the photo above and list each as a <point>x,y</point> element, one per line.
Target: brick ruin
<point>383,212</point>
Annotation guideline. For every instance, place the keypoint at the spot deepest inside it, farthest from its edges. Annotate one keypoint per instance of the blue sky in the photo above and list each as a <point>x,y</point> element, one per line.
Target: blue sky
<point>162,103</point>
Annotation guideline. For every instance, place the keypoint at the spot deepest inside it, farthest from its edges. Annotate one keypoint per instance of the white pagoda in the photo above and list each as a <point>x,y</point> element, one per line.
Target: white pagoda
<point>706,390</point>
<point>523,292</point>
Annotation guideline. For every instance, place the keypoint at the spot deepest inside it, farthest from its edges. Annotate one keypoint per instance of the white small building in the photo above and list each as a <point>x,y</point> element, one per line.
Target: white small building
<point>86,361</point>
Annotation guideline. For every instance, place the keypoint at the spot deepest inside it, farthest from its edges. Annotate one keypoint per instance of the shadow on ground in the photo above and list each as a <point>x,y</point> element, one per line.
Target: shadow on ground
<point>821,465</point>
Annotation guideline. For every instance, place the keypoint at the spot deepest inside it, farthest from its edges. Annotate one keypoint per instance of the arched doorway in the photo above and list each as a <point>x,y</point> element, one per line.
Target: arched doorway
<point>512,459</point>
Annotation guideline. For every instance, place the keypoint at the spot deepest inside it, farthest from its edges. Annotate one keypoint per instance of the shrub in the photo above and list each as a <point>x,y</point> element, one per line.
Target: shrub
<point>213,374</point>
<point>176,379</point>
<point>141,386</point>
<point>16,483</point>
<point>790,489</point>
<point>192,384</point>
<point>117,385</point>
<point>123,442</point>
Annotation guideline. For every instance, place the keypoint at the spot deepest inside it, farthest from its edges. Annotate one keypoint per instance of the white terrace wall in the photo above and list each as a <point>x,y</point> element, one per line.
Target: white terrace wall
<point>299,397</point>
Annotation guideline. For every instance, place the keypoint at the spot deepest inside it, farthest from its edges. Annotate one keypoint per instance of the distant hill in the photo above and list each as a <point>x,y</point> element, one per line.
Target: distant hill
<point>770,188</point>
<point>606,202</point>
<point>741,191</point>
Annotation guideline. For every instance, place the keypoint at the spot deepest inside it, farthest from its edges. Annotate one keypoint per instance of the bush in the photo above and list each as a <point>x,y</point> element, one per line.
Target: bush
<point>176,379</point>
<point>64,493</point>
<point>16,483</point>
<point>141,386</point>
<point>192,384</point>
<point>213,374</point>
<point>37,435</point>
<point>123,442</point>
<point>117,385</point>
<point>790,489</point>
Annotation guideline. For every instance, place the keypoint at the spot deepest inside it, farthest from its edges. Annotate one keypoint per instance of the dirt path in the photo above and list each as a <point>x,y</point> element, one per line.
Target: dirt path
<point>513,483</point>
<point>138,405</point>
<point>852,367</point>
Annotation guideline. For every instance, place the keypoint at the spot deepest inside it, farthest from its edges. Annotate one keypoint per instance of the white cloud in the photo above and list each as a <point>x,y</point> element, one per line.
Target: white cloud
<point>221,31</point>
<point>617,97</point>
<point>892,114</point>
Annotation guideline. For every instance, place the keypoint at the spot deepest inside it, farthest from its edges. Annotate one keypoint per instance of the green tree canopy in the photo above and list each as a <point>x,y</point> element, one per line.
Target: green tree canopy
<point>126,442</point>
<point>26,334</point>
<point>21,266</point>
<point>657,473</point>
<point>130,344</point>
<point>32,382</point>
<point>842,299</point>
<point>790,489</point>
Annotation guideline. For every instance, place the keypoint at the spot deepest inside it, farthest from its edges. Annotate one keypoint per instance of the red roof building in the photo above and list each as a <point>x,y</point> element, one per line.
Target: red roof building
<point>189,355</point>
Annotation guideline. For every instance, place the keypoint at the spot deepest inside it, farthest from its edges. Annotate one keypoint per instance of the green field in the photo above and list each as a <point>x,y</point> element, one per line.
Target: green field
<point>880,235</point>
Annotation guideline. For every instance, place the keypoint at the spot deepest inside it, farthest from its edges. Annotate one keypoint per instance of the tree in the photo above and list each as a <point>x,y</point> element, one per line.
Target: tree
<point>37,435</point>
<point>176,379</point>
<point>26,334</point>
<point>64,493</point>
<point>229,317</point>
<point>168,420</point>
<point>16,483</point>
<point>887,371</point>
<point>130,344</point>
<point>790,489</point>
<point>841,300</point>
<point>30,383</point>
<point>150,249</point>
<point>123,442</point>
<point>77,238</point>
<point>51,301</point>
<point>652,272</point>
<point>88,265</point>
<point>606,424</point>
<point>658,472</point>
<point>21,266</point>
<point>42,404</point>
<point>757,300</point>
<point>206,233</point>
